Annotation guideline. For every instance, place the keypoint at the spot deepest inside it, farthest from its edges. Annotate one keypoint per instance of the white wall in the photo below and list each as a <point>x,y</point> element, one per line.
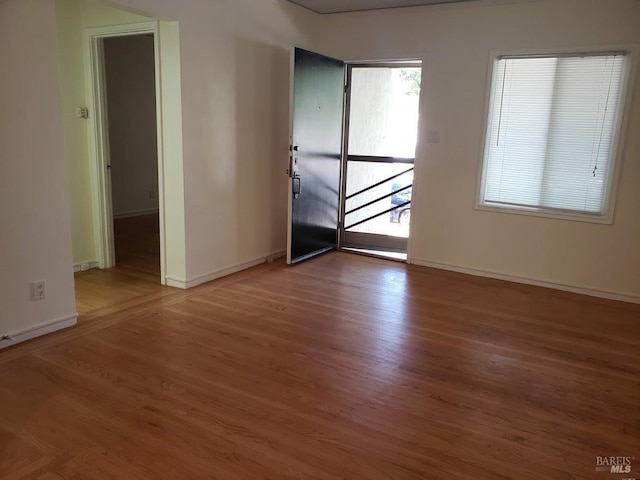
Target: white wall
<point>73,16</point>
<point>131,105</point>
<point>234,77</point>
<point>35,243</point>
<point>455,41</point>
<point>72,84</point>
<point>96,13</point>
<point>235,90</point>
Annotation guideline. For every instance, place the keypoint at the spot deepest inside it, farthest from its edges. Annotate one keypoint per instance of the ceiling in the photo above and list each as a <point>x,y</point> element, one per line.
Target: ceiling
<point>340,6</point>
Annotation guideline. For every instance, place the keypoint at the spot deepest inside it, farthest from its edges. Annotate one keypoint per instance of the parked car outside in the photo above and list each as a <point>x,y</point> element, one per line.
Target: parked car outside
<point>401,215</point>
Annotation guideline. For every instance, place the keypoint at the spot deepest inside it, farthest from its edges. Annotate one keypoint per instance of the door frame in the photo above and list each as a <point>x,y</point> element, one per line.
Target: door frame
<point>98,135</point>
<point>393,246</point>
<point>292,68</point>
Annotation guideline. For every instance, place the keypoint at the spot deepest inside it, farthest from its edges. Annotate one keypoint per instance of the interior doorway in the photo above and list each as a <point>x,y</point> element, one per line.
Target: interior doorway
<point>127,131</point>
<point>381,126</point>
<point>132,136</point>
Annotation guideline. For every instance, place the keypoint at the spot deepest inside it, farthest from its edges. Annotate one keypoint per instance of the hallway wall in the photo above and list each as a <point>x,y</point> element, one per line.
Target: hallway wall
<point>133,141</point>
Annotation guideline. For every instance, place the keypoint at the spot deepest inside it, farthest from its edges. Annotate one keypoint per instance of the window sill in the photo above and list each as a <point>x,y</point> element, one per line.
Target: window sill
<point>606,219</point>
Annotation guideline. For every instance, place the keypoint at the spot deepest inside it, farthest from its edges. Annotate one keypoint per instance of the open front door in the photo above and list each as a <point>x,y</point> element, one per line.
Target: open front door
<point>316,147</point>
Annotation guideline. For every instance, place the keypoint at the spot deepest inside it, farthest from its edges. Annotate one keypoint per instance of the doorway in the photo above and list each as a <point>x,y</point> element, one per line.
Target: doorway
<point>353,137</point>
<point>381,126</point>
<point>127,131</point>
<point>132,168</point>
<point>113,287</point>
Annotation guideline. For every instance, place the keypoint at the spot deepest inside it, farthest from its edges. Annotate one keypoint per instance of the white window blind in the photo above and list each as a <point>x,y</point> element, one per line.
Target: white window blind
<point>551,131</point>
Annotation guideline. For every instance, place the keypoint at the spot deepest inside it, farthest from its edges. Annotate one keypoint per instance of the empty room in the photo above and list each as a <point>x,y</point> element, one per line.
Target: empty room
<point>320,239</point>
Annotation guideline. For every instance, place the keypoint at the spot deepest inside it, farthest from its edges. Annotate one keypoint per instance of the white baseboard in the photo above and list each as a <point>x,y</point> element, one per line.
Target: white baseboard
<point>530,281</point>
<point>135,213</point>
<point>84,266</point>
<point>176,283</point>
<point>9,339</point>
<point>194,282</point>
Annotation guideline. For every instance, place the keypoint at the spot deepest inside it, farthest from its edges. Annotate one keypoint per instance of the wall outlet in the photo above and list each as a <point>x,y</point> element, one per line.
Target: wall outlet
<point>82,112</point>
<point>38,290</point>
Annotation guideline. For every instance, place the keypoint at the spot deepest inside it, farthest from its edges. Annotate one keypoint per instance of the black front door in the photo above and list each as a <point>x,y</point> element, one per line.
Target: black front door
<point>314,184</point>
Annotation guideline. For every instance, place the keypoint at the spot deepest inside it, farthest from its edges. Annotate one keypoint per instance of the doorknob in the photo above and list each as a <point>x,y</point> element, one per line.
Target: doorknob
<point>296,182</point>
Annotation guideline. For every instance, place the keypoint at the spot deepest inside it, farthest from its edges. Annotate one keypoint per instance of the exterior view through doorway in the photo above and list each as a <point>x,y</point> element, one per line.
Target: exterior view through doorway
<point>352,148</point>
<point>381,126</point>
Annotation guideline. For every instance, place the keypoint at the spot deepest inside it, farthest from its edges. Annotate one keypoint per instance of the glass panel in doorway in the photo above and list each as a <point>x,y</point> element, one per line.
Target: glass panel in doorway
<point>382,133</point>
<point>374,188</point>
<point>383,111</point>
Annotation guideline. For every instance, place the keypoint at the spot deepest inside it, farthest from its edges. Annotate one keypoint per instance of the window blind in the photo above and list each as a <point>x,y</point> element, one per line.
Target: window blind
<point>551,131</point>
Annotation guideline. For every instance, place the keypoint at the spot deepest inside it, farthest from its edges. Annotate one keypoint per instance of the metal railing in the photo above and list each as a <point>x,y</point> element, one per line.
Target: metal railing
<point>378,184</point>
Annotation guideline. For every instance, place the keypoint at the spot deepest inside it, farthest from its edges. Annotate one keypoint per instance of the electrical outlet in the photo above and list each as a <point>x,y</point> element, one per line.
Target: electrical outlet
<point>38,290</point>
<point>82,112</point>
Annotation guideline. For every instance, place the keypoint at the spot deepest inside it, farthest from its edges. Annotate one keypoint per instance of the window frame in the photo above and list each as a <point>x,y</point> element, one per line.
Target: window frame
<point>619,137</point>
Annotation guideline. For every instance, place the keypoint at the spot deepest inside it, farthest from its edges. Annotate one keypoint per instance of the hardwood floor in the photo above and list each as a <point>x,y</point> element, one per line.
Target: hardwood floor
<point>137,244</point>
<point>341,367</point>
<point>97,290</point>
<point>136,276</point>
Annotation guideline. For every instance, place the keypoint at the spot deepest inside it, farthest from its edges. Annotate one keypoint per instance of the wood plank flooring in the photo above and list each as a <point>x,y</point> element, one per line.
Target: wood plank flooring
<point>137,244</point>
<point>341,367</point>
<point>136,277</point>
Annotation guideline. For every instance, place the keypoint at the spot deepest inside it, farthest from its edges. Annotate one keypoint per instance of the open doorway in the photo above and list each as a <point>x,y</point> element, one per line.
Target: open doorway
<point>353,139</point>
<point>86,33</point>
<point>127,131</point>
<point>132,141</point>
<point>381,126</point>
<point>126,153</point>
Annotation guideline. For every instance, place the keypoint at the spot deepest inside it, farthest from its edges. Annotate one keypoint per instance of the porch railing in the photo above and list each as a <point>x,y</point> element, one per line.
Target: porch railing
<point>358,158</point>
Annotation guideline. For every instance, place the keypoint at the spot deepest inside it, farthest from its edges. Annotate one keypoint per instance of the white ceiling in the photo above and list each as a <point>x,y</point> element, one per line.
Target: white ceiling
<point>339,6</point>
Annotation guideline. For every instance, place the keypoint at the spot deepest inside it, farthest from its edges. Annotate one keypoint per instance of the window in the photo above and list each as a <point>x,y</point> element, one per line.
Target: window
<point>551,133</point>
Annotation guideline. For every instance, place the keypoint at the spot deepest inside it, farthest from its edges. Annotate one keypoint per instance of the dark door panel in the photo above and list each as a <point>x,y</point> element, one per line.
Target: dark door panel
<point>318,109</point>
